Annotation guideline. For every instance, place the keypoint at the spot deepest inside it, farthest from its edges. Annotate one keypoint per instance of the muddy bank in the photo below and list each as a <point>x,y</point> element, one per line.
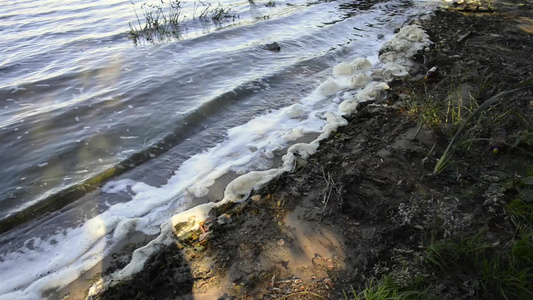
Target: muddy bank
<point>370,210</point>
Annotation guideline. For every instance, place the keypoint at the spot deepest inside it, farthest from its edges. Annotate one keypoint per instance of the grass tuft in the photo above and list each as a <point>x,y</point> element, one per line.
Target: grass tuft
<point>500,97</point>
<point>385,289</point>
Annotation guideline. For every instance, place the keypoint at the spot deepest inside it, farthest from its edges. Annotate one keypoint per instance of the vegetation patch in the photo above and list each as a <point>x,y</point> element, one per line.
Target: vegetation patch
<point>164,21</point>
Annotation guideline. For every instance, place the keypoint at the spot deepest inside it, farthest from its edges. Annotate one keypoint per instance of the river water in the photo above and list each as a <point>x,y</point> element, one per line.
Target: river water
<point>157,121</point>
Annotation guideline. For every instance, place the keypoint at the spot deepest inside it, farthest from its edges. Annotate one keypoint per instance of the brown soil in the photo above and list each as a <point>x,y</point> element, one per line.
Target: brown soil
<point>367,204</point>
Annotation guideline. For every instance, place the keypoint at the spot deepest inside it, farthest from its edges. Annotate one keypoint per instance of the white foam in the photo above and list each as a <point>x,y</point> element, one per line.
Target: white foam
<point>199,191</point>
<point>115,187</point>
<point>359,81</point>
<point>372,91</point>
<point>348,107</point>
<point>241,187</point>
<point>343,69</point>
<point>395,69</point>
<point>140,255</point>
<point>126,227</point>
<point>414,34</point>
<point>361,64</point>
<point>404,44</point>
<point>389,56</point>
<point>295,111</point>
<point>329,87</point>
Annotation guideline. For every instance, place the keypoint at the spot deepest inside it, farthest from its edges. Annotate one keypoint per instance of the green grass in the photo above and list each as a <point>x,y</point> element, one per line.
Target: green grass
<point>521,214</point>
<point>500,97</point>
<point>508,277</point>
<point>385,289</point>
<point>450,255</point>
<point>466,111</point>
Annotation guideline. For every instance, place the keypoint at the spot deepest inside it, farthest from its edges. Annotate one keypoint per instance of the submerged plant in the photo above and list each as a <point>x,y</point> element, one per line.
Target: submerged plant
<point>161,22</point>
<point>271,3</point>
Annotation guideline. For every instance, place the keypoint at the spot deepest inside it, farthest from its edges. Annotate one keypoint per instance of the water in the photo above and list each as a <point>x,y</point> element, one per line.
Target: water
<point>80,102</point>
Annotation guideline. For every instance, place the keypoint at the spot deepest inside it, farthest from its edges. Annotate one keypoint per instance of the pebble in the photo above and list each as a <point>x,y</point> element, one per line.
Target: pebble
<point>224,219</point>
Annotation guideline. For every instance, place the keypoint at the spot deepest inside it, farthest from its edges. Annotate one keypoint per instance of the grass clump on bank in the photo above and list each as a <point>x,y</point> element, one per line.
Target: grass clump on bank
<point>486,269</point>
<point>464,123</point>
<point>478,267</point>
<point>386,289</point>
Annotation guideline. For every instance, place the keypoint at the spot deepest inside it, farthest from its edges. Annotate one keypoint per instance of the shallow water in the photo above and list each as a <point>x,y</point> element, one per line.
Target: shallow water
<point>79,98</point>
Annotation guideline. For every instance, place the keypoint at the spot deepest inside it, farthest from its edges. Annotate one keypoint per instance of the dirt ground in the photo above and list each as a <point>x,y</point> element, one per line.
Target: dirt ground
<point>368,205</point>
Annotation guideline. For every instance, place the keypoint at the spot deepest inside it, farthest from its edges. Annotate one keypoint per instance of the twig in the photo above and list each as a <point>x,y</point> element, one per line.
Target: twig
<point>329,188</point>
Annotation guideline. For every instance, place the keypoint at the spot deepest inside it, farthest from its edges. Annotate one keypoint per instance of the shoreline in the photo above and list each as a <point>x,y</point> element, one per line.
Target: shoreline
<point>363,206</point>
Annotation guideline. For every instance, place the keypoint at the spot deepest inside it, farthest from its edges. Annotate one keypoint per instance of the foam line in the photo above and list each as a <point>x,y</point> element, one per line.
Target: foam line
<point>241,187</point>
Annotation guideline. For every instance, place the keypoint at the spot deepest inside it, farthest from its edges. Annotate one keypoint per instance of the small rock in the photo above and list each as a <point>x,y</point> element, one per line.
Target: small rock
<point>224,219</point>
<point>330,264</point>
<point>273,47</point>
<point>281,242</point>
<point>328,281</point>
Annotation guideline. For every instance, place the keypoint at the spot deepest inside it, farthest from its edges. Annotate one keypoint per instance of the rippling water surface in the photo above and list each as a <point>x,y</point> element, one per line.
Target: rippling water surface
<point>81,102</point>
<point>78,97</point>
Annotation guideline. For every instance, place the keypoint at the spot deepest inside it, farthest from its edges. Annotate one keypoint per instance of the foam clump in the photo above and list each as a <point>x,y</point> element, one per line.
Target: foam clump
<point>328,88</point>
<point>372,91</point>
<point>124,228</point>
<point>333,122</point>
<point>302,150</point>
<point>361,64</point>
<point>389,56</point>
<point>396,52</point>
<point>194,216</point>
<point>349,106</point>
<point>414,34</point>
<point>295,111</point>
<point>396,69</point>
<point>404,44</point>
<point>359,81</point>
<point>141,255</point>
<point>242,186</point>
<point>343,69</point>
<point>198,191</point>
